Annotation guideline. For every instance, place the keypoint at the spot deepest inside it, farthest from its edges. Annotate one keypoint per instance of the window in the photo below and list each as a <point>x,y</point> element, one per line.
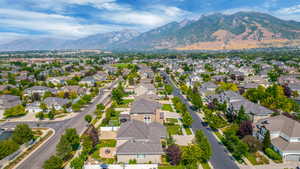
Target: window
<point>147,119</point>
<point>141,156</point>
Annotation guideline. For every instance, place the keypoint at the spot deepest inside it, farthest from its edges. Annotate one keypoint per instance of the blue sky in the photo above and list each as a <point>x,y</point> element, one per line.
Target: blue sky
<point>71,19</point>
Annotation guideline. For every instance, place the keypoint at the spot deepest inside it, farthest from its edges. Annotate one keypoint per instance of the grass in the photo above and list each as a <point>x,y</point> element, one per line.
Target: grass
<point>172,120</point>
<point>174,130</point>
<point>188,131</point>
<point>108,143</point>
<point>257,159</point>
<point>219,135</point>
<point>125,103</point>
<point>171,167</point>
<point>205,166</point>
<point>167,107</point>
<point>122,65</point>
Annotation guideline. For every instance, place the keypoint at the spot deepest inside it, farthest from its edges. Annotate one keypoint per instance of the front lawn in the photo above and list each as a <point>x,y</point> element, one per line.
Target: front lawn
<point>108,143</point>
<point>167,107</point>
<point>125,103</point>
<point>257,159</point>
<point>188,131</point>
<point>172,120</point>
<point>174,130</point>
<point>171,167</point>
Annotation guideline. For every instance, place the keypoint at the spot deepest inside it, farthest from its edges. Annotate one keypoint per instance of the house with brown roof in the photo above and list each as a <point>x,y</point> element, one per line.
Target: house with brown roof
<point>285,135</point>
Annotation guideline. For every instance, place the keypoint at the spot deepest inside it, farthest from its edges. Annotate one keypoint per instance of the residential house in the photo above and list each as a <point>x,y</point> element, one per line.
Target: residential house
<point>285,135</point>
<point>33,107</point>
<point>41,90</point>
<point>56,103</point>
<point>140,141</point>
<point>207,88</point>
<point>76,89</point>
<point>145,89</point>
<point>146,110</point>
<point>89,81</point>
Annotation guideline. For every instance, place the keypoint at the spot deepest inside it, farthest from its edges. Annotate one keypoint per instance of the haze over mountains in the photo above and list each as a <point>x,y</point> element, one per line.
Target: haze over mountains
<point>242,30</point>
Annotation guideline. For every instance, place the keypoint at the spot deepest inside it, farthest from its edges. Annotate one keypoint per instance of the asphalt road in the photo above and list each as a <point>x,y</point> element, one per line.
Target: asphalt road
<point>220,158</point>
<point>36,160</point>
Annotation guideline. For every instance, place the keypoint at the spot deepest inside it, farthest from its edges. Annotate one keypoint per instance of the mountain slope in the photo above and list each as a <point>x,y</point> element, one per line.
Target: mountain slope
<point>97,41</point>
<point>242,30</point>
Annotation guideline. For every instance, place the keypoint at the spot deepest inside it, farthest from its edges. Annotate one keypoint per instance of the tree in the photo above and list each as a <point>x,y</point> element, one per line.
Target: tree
<point>267,140</point>
<point>73,138</point>
<point>169,89</point>
<point>173,154</point>
<point>241,116</point>
<point>93,134</point>
<point>51,114</point>
<point>63,148</point>
<point>117,96</point>
<point>191,155</point>
<point>88,118</point>
<point>87,144</point>
<point>204,144</point>
<point>253,143</point>
<point>40,115</point>
<point>53,162</point>
<point>187,119</point>
<point>22,134</point>
<point>245,129</point>
<point>77,163</point>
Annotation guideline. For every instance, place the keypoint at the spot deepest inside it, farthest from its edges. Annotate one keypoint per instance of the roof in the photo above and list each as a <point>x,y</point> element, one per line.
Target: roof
<point>144,105</point>
<point>251,108</point>
<point>140,147</point>
<point>43,88</point>
<point>135,129</point>
<point>281,123</point>
<point>51,101</point>
<point>284,145</point>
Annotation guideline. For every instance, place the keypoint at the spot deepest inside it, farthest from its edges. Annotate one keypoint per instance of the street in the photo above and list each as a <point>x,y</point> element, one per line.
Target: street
<point>36,160</point>
<point>220,158</point>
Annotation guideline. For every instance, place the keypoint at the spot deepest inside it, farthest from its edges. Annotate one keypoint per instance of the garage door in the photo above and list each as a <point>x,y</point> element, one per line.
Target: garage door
<point>293,157</point>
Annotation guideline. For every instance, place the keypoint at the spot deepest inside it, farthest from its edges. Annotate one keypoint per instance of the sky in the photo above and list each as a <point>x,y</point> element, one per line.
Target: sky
<point>73,19</point>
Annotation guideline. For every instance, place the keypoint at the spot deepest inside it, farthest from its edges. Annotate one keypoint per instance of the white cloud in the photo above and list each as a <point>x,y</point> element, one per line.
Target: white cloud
<point>52,24</point>
<point>290,10</point>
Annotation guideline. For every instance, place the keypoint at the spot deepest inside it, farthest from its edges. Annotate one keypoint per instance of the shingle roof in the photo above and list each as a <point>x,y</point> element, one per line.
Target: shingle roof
<point>144,105</point>
<point>139,147</point>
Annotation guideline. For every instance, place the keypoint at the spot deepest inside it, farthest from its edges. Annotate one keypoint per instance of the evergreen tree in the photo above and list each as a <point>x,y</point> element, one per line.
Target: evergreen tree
<point>267,140</point>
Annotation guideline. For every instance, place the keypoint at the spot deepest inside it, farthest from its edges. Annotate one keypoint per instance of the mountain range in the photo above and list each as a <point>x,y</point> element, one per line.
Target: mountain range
<point>242,30</point>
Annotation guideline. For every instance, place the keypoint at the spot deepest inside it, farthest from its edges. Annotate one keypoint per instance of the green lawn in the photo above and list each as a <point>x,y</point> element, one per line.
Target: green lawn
<point>167,107</point>
<point>125,103</point>
<point>122,65</point>
<point>172,120</point>
<point>108,143</point>
<point>170,167</point>
<point>174,129</point>
<point>188,131</point>
<point>205,166</point>
<point>219,135</point>
<point>257,159</point>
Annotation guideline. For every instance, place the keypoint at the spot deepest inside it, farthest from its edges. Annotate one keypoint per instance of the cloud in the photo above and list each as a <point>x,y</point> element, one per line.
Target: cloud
<point>290,10</point>
<point>52,24</point>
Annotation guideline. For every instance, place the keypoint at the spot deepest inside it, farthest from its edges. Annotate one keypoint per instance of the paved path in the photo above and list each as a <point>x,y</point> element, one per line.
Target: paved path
<point>36,160</point>
<point>220,158</point>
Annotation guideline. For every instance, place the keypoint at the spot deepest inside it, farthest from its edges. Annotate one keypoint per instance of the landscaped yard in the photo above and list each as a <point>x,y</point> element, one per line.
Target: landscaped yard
<point>125,103</point>
<point>172,120</point>
<point>257,159</point>
<point>108,143</point>
<point>167,107</point>
<point>174,129</point>
<point>188,131</point>
<point>170,167</point>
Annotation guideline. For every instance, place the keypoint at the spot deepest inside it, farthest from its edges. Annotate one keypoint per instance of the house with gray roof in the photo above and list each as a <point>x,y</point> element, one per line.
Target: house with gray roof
<point>146,110</point>
<point>8,101</point>
<point>41,90</point>
<point>56,102</point>
<point>140,141</point>
<point>285,135</point>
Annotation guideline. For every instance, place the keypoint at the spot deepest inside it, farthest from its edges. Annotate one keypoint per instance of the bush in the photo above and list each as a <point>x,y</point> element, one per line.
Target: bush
<point>16,111</point>
<point>7,147</point>
<point>273,154</point>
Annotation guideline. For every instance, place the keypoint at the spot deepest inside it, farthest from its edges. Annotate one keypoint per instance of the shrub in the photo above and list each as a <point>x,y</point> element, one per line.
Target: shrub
<point>273,154</point>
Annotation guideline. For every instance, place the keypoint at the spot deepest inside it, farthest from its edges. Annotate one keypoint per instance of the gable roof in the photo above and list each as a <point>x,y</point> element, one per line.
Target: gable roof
<point>144,105</point>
